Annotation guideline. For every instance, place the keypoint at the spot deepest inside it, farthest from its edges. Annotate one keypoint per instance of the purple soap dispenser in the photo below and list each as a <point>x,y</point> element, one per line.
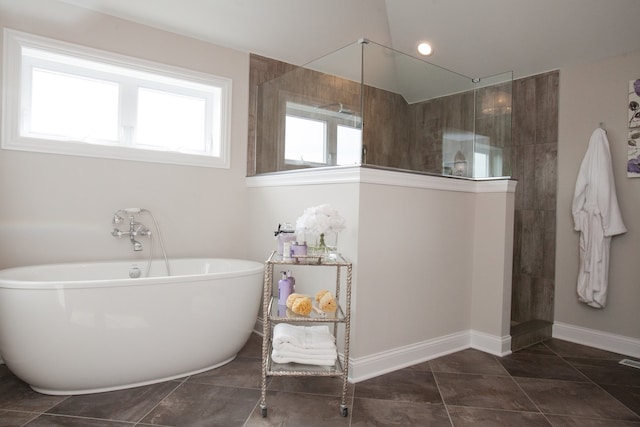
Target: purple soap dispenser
<point>292,280</point>
<point>285,289</point>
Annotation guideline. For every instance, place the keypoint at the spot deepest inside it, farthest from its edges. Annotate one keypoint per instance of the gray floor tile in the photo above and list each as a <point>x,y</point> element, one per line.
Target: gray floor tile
<point>424,366</point>
<point>477,417</point>
<point>468,361</point>
<point>564,421</point>
<point>541,366</point>
<point>569,349</point>
<point>330,386</point>
<point>16,395</point>
<point>483,391</point>
<point>242,372</point>
<point>575,399</point>
<point>205,405</point>
<point>123,405</point>
<point>607,371</point>
<point>382,413</point>
<point>62,421</point>
<point>627,395</point>
<point>15,419</point>
<point>300,409</point>
<point>253,347</point>
<point>403,385</point>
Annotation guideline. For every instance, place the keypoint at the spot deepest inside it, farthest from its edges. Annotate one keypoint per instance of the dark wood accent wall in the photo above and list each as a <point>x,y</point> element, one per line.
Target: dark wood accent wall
<point>261,70</point>
<point>534,165</point>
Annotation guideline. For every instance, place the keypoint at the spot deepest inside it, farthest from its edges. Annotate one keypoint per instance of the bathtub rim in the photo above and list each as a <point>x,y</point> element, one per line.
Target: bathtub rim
<point>79,392</point>
<point>252,268</point>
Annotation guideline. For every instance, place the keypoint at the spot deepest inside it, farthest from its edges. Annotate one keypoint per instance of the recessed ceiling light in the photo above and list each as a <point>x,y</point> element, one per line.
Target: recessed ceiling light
<point>425,48</point>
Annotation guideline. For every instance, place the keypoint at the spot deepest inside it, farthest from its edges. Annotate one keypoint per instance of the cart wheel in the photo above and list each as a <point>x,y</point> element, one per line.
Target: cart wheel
<point>344,411</point>
<point>263,410</point>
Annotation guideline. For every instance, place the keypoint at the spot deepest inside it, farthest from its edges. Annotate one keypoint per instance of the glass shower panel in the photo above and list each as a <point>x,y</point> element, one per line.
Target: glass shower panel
<point>311,116</point>
<point>367,104</point>
<point>492,145</point>
<point>407,105</point>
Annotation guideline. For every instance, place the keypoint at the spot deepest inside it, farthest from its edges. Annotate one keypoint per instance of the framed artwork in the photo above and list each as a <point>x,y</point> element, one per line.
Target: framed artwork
<point>633,137</point>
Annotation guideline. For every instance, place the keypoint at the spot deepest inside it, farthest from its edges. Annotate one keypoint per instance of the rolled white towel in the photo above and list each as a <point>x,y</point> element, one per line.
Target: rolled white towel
<point>303,337</point>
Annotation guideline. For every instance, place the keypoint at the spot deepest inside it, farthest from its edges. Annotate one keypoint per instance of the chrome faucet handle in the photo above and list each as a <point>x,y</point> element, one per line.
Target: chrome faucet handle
<point>116,233</point>
<point>139,229</point>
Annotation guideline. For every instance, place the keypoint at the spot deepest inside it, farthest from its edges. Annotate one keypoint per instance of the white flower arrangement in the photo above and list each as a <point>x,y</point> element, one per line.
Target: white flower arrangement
<point>319,220</point>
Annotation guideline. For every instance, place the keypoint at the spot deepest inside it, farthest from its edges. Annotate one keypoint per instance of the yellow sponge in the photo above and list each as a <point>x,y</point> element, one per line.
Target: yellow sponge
<point>328,303</point>
<point>291,298</point>
<point>302,305</point>
<point>320,294</point>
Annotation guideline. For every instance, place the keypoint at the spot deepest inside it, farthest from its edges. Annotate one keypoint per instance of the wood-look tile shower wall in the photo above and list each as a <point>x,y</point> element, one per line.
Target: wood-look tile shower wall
<point>396,134</point>
<point>535,166</point>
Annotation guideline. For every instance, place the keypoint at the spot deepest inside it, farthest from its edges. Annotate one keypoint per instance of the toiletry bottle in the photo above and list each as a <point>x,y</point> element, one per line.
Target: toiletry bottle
<point>299,249</point>
<point>284,289</point>
<point>286,251</point>
<point>292,280</point>
<point>285,233</point>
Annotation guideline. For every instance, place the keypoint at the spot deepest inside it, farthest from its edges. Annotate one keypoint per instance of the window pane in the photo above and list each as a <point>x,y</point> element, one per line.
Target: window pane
<point>305,140</point>
<point>480,165</point>
<point>171,121</point>
<point>74,107</point>
<point>349,143</point>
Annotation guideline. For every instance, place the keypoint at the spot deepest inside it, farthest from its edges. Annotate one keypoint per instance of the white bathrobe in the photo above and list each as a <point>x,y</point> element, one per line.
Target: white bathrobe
<point>597,216</point>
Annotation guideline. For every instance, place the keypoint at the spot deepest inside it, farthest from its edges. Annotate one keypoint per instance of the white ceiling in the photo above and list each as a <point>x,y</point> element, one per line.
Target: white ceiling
<point>476,38</point>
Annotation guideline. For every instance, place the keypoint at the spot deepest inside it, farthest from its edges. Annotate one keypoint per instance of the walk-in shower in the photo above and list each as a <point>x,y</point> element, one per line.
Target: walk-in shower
<point>369,105</point>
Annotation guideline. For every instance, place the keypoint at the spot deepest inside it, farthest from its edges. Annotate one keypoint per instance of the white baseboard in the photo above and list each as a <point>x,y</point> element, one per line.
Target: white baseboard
<point>363,368</point>
<point>597,339</point>
<point>498,346</point>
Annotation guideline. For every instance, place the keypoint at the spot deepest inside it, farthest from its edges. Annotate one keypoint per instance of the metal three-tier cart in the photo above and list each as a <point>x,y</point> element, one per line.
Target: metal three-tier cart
<point>273,314</point>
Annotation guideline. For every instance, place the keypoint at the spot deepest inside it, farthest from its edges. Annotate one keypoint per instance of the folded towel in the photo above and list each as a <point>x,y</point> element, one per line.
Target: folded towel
<point>307,359</point>
<point>303,337</point>
<point>290,350</point>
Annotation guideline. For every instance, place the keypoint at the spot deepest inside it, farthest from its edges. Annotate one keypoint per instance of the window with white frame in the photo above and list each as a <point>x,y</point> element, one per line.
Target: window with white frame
<point>68,99</point>
<point>317,136</point>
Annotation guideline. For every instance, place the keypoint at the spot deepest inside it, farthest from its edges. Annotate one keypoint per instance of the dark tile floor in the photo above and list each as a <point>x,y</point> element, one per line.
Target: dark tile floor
<point>551,384</point>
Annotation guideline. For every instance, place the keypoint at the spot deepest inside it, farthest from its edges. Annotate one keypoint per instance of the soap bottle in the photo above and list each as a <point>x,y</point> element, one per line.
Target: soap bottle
<point>284,289</point>
<point>292,280</point>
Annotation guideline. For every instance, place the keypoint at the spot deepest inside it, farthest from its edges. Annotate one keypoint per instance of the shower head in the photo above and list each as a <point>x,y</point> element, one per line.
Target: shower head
<point>340,106</point>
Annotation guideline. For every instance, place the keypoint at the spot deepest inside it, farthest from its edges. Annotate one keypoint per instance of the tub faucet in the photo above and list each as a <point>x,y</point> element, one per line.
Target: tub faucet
<point>135,228</point>
<point>137,246</point>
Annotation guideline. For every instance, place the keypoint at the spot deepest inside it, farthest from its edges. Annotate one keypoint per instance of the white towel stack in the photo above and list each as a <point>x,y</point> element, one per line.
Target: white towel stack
<point>310,345</point>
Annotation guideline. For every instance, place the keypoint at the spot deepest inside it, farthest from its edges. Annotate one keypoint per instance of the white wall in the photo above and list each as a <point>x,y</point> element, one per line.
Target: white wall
<point>590,94</point>
<point>432,258</point>
<point>413,272</point>
<point>493,264</point>
<point>58,208</point>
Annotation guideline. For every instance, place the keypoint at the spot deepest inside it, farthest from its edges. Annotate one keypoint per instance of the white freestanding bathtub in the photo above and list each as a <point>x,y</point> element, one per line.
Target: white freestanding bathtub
<point>87,327</point>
